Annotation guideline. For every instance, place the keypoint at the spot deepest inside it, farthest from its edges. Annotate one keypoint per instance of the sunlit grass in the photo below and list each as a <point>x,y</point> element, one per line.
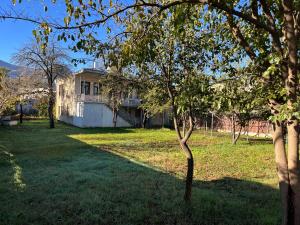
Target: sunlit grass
<point>17,170</point>
<point>69,175</point>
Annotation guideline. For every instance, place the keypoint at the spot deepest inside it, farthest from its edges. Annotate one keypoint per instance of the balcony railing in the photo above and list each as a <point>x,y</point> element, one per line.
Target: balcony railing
<point>91,98</point>
<point>131,102</point>
<point>127,102</point>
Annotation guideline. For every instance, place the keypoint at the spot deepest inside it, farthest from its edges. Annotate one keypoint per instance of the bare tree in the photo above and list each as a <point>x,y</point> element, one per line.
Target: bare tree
<point>51,61</point>
<point>30,85</point>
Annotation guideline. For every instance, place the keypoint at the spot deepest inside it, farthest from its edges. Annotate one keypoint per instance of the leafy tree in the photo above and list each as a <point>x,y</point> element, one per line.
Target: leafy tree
<point>239,97</point>
<point>42,107</point>
<point>169,65</point>
<point>117,84</point>
<point>154,101</point>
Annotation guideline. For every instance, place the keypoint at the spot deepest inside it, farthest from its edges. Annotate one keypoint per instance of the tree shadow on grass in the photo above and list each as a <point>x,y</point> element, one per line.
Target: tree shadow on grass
<point>38,124</point>
<point>257,140</point>
<point>84,185</point>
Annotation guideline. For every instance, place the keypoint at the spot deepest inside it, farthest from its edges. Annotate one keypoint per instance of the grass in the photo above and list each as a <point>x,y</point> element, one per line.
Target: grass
<point>69,175</point>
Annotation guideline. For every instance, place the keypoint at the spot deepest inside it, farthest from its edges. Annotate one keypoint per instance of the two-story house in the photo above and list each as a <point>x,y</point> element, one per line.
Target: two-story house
<point>79,102</point>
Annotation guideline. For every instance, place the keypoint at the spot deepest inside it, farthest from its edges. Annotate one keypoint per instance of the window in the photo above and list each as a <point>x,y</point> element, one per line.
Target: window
<point>96,89</point>
<point>85,87</point>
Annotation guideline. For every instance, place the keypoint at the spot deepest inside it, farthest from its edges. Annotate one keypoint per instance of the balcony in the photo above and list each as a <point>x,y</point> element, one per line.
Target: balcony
<point>127,102</point>
<point>91,98</point>
<point>131,102</point>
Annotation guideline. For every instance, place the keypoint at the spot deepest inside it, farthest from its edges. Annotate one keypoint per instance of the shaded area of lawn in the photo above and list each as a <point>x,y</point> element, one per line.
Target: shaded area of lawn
<point>130,176</point>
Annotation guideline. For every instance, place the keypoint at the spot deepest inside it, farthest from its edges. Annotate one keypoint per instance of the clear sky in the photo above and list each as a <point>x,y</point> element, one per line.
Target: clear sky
<point>14,34</point>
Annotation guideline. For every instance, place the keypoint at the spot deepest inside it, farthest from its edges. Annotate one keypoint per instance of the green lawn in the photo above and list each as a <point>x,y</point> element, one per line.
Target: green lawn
<point>69,175</point>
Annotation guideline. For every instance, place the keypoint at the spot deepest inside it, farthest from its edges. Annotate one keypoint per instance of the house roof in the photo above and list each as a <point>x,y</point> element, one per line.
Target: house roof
<point>92,71</point>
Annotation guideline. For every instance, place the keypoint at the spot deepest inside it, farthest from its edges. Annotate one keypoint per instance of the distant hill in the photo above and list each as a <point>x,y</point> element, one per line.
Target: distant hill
<point>14,70</point>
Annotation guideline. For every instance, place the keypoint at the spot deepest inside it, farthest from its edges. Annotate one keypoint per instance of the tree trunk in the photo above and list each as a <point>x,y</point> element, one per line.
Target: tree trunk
<point>236,137</point>
<point>190,171</point>
<point>248,124</point>
<point>183,126</point>
<point>21,113</point>
<point>293,168</point>
<point>115,115</point>
<point>291,84</point>
<point>189,156</point>
<point>233,128</point>
<point>50,107</point>
<point>184,146</point>
<point>282,170</point>
<point>144,122</point>
<point>212,124</point>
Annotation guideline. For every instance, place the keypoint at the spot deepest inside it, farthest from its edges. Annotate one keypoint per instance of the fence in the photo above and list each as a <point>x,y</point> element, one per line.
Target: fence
<point>255,127</point>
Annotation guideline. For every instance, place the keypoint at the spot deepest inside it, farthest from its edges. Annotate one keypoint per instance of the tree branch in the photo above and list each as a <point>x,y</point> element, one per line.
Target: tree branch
<point>191,128</point>
<point>275,34</point>
<point>239,37</point>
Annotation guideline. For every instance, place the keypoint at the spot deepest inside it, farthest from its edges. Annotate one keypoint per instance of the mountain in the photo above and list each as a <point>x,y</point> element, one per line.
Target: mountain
<point>14,70</point>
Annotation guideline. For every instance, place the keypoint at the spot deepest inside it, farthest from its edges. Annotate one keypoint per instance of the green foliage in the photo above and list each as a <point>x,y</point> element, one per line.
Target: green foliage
<point>167,59</point>
<point>9,108</point>
<point>42,107</point>
<point>241,95</point>
<point>155,100</point>
<point>194,92</point>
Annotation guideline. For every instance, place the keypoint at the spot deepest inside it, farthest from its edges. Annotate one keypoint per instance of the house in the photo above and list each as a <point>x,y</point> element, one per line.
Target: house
<point>79,102</point>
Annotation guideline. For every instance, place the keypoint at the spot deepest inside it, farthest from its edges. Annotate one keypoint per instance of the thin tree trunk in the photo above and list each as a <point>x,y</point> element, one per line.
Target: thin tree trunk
<point>144,119</point>
<point>183,144</point>
<point>236,137</point>
<point>248,124</point>
<point>50,107</point>
<point>233,128</point>
<point>115,117</point>
<point>189,156</point>
<point>21,113</point>
<point>258,128</point>
<point>212,124</point>
<point>190,171</point>
<point>183,126</point>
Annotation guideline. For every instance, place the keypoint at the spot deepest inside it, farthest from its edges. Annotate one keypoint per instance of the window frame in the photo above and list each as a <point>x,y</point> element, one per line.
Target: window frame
<point>96,86</point>
<point>85,87</point>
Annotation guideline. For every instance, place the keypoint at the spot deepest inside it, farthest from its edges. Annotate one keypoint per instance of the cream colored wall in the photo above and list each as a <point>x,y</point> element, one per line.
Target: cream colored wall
<point>93,78</point>
<point>65,97</point>
<point>94,112</point>
<point>71,87</point>
<point>96,115</point>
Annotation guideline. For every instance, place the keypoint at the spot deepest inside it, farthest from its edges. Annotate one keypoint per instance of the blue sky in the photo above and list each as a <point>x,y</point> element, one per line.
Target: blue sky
<point>14,34</point>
